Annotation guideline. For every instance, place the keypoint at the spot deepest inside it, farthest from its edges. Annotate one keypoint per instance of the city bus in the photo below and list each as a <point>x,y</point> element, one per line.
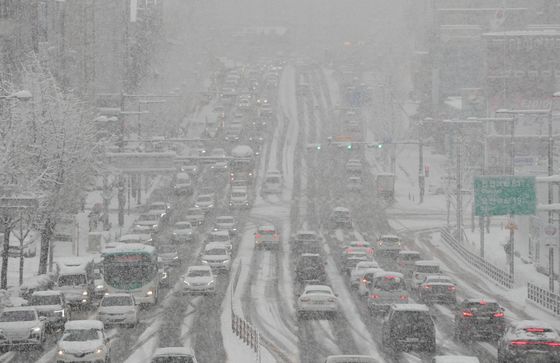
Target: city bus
<point>132,268</point>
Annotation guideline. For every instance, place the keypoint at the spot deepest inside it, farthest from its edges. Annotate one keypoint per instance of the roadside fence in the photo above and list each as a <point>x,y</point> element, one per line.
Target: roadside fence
<point>544,298</point>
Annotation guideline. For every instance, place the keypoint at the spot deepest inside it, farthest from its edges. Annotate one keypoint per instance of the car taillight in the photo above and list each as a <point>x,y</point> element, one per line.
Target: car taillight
<point>370,251</point>
<point>519,342</point>
<point>404,297</point>
<point>374,296</point>
<point>427,287</point>
<point>381,243</point>
<point>534,330</point>
<point>257,236</point>
<point>365,281</point>
<point>349,250</point>
<point>553,344</point>
<point>499,315</point>
<point>467,314</point>
<point>451,288</point>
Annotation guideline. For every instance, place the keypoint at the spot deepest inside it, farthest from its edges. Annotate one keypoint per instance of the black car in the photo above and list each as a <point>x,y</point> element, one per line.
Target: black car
<point>409,327</point>
<point>310,268</point>
<point>479,319</point>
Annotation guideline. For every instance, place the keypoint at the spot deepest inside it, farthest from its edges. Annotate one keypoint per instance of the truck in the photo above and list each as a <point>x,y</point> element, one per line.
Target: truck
<point>385,186</point>
<point>242,164</point>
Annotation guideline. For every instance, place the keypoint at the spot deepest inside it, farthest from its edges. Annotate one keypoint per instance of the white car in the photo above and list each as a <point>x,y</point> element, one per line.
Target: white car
<point>83,341</point>
<point>354,184</point>
<point>226,223</point>
<point>217,256</point>
<point>199,279</point>
<point>221,237</point>
<point>206,202</point>
<point>317,299</point>
<point>143,238</point>
<point>21,326</point>
<point>358,271</point>
<point>386,289</point>
<point>239,198</point>
<point>195,216</point>
<point>272,183</point>
<point>423,268</point>
<point>173,354</point>
<point>147,223</point>
<point>182,232</point>
<point>118,309</point>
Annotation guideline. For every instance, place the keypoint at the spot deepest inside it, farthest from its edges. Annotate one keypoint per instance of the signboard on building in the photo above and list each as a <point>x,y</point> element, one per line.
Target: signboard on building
<point>522,68</point>
<point>504,195</point>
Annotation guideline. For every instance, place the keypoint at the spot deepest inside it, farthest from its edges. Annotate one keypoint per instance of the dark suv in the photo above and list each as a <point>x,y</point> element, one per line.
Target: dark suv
<point>310,268</point>
<point>409,327</point>
<point>479,318</point>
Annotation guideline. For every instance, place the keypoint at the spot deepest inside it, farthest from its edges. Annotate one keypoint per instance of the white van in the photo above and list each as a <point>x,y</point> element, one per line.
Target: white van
<point>272,183</point>
<point>183,184</point>
<point>75,279</point>
<point>422,269</point>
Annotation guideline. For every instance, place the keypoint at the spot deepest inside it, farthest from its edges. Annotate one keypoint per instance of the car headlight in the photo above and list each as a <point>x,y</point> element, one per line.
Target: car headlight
<point>164,275</point>
<point>225,261</point>
<point>84,293</point>
<point>60,352</point>
<point>100,350</point>
<point>187,283</point>
<point>174,233</point>
<point>197,206</point>
<point>211,283</point>
<point>203,261</point>
<point>175,257</point>
<point>100,287</point>
<point>211,206</point>
<point>149,293</point>
<point>36,329</point>
<point>61,312</point>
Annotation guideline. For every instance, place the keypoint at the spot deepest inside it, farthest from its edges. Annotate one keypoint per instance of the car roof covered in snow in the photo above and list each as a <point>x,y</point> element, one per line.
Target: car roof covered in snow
<point>83,324</point>
<point>532,329</point>
<point>455,359</point>
<point>341,209</point>
<point>219,233</point>
<point>213,245</point>
<point>199,268</point>
<point>426,263</point>
<point>19,308</point>
<point>172,351</point>
<point>409,252</point>
<point>410,307</point>
<point>318,287</point>
<point>132,247</point>
<point>47,293</point>
<point>351,359</point>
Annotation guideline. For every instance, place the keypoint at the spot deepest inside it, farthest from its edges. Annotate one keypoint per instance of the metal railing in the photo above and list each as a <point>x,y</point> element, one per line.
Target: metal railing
<point>544,298</point>
<point>500,276</point>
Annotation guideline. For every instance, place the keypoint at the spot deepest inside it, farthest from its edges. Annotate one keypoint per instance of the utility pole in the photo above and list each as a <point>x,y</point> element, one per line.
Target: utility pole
<point>421,176</point>
<point>459,191</point>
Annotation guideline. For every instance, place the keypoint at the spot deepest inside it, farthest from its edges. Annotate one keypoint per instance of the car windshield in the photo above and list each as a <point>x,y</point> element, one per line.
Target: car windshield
<point>390,283</point>
<point>45,300</point>
<point>410,257</point>
<point>238,194</point>
<point>81,335</point>
<point>194,212</point>
<point>224,220</point>
<point>318,291</point>
<point>204,199</point>
<point>482,306</point>
<point>19,315</point>
<point>408,318</point>
<point>198,273</point>
<point>273,180</point>
<point>432,280</point>
<point>267,231</point>
<point>183,225</point>
<point>117,301</point>
<point>72,280</point>
<point>215,252</point>
<point>173,359</point>
<point>427,269</point>
<point>167,249</point>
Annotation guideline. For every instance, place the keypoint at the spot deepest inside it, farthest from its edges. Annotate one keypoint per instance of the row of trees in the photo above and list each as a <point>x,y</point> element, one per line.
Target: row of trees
<point>47,151</point>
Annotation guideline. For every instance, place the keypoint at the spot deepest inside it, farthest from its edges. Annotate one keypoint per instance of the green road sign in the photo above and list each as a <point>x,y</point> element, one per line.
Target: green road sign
<point>503,195</point>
